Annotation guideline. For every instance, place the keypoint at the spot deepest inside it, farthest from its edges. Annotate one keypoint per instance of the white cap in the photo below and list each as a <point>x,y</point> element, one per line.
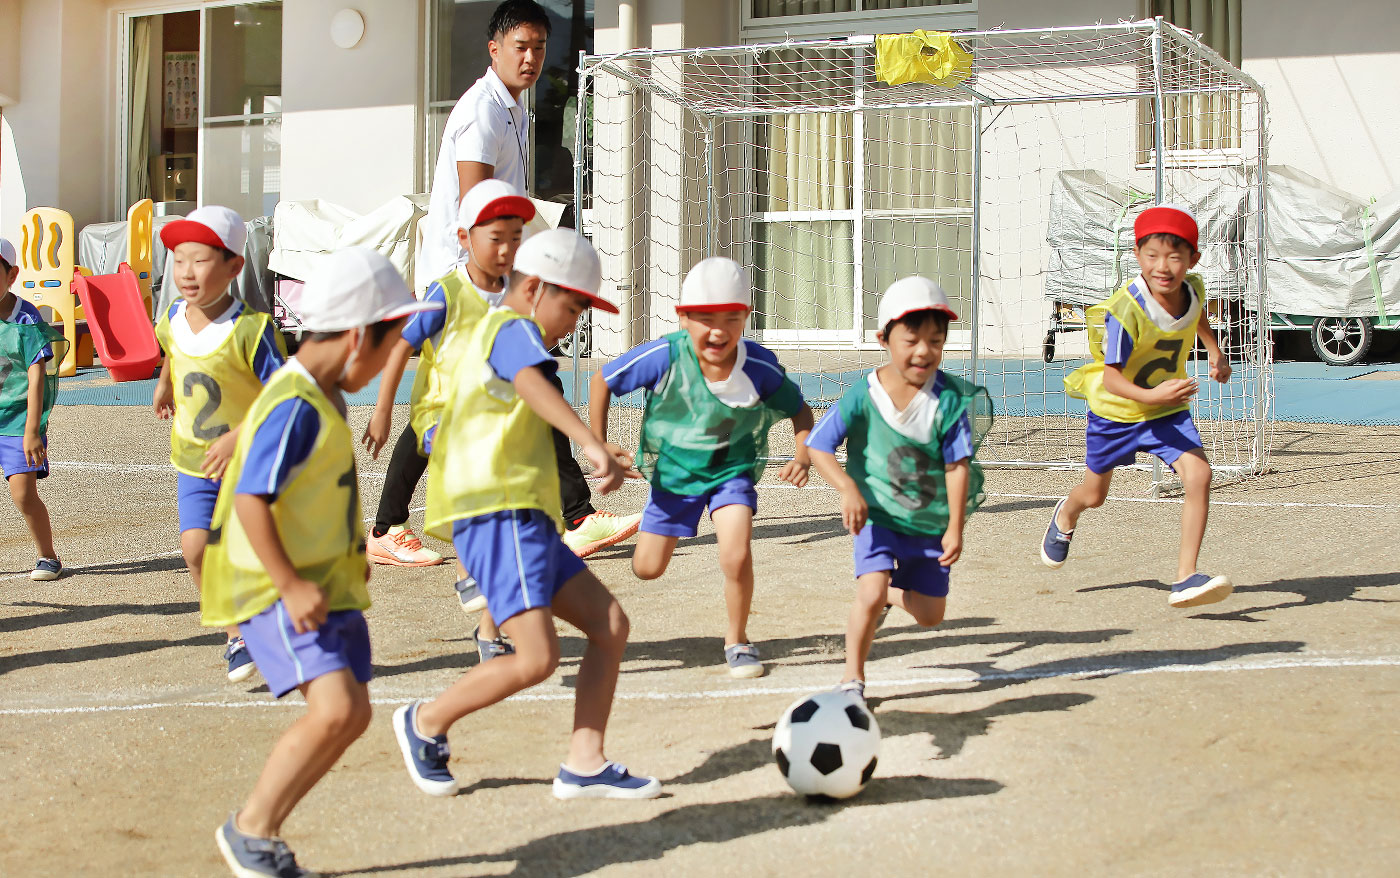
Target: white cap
<point>716,284</point>
<point>212,225</point>
<point>564,258</point>
<point>492,199</point>
<point>356,287</point>
<point>7,253</point>
<point>910,294</point>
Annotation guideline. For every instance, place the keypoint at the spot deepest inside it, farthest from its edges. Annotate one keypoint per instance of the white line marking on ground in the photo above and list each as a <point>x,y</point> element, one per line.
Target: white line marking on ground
<point>1082,670</point>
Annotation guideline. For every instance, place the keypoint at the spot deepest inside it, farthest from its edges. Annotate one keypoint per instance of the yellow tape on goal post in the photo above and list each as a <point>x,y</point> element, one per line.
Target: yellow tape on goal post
<point>921,56</point>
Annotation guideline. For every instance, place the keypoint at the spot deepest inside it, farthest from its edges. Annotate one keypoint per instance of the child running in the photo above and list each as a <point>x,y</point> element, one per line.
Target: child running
<point>911,478</point>
<point>286,558</point>
<point>491,222</point>
<point>218,355</point>
<point>711,397</point>
<point>1139,395</point>
<point>493,486</point>
<point>28,388</point>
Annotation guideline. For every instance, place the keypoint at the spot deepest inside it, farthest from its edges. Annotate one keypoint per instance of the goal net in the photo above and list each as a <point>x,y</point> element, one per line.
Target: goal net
<point>1011,173</point>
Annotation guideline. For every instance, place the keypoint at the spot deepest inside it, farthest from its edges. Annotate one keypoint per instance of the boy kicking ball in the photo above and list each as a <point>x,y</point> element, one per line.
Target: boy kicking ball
<point>1139,395</point>
<point>493,487</point>
<point>286,556</point>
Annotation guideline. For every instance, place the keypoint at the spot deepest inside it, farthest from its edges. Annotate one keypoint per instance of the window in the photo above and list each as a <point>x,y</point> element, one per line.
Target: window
<point>457,57</point>
<point>1196,125</point>
<point>777,19</point>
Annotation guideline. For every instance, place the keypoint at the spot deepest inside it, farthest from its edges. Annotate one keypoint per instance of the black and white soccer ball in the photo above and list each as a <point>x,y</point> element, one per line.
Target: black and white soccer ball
<point>827,745</point>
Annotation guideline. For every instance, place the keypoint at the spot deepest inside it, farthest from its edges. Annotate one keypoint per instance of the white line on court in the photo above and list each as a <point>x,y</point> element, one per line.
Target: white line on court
<point>1081,670</point>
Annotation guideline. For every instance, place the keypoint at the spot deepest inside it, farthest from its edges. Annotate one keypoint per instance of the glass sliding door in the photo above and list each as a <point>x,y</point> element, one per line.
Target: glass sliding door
<point>241,108</point>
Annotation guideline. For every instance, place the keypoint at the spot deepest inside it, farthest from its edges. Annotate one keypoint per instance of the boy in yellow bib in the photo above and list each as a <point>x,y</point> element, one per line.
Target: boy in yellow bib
<point>1139,394</point>
<point>286,558</point>
<point>218,355</point>
<point>493,488</point>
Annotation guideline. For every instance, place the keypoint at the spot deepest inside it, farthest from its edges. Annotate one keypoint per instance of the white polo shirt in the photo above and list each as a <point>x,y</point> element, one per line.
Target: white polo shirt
<point>486,126</point>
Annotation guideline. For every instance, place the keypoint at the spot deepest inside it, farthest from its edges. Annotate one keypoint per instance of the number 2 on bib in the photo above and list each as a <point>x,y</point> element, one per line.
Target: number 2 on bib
<point>1169,364</point>
<point>912,476</point>
<point>201,427</point>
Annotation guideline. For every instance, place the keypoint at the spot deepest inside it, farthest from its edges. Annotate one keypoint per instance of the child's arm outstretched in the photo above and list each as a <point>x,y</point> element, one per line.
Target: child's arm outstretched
<point>542,396</point>
<point>34,452</point>
<point>599,400</point>
<point>377,431</point>
<point>853,506</point>
<point>305,602</point>
<point>1219,363</point>
<point>794,472</point>
<point>956,476</point>
<point>163,400</point>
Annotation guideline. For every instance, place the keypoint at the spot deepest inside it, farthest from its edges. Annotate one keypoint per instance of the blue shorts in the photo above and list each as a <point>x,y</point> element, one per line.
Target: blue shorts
<point>427,443</point>
<point>1110,444</point>
<point>287,659</point>
<point>197,497</point>
<point>678,515</point>
<point>12,459</point>
<point>517,557</point>
<point>912,561</point>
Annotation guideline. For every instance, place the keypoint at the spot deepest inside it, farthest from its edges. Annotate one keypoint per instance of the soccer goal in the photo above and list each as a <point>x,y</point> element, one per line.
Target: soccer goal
<point>1010,169</point>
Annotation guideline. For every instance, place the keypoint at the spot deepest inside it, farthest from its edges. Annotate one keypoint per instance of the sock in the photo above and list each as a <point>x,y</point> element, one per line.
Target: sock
<point>594,773</point>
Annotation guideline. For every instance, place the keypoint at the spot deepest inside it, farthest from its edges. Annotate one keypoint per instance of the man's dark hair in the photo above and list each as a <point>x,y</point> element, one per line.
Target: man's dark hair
<point>1176,242</point>
<point>917,320</point>
<point>377,331</point>
<point>514,13</point>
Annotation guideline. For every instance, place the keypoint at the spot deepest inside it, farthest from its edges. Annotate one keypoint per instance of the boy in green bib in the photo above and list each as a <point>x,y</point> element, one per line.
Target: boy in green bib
<point>911,432</point>
<point>711,397</point>
<point>28,389</point>
<point>286,555</point>
<point>493,489</point>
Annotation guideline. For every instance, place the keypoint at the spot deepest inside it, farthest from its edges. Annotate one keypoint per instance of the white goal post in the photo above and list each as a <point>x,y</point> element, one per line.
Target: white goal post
<point>1014,182</point>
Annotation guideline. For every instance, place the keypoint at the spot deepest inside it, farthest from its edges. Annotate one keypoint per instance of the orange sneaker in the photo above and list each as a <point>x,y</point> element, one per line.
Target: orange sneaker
<point>400,547</point>
<point>600,530</point>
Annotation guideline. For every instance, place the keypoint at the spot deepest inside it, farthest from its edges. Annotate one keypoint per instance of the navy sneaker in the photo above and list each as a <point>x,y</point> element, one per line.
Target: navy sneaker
<point>612,781</point>
<point>426,758</point>
<point>252,857</point>
<point>1054,549</point>
<point>489,649</point>
<point>1198,589</point>
<point>743,661</point>
<point>46,569</point>
<point>240,661</point>
<point>469,593</point>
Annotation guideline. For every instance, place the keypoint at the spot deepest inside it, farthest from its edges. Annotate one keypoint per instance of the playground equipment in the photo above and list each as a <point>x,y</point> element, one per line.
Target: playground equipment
<point>140,247</point>
<point>47,266</point>
<point>119,322</point>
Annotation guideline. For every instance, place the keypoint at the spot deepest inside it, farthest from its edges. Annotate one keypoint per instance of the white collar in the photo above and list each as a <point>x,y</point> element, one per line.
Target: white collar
<point>916,421</point>
<point>227,315</point>
<point>1159,316</point>
<point>498,88</point>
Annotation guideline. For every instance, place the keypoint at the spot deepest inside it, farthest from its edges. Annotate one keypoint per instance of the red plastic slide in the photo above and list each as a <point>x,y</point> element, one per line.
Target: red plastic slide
<point>121,328</point>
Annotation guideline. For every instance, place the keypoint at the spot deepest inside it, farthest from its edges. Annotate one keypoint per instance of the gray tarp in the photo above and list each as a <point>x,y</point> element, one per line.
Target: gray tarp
<point>1090,233</point>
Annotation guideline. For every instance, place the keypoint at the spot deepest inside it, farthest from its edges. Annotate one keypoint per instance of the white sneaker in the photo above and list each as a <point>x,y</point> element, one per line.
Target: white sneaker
<point>400,547</point>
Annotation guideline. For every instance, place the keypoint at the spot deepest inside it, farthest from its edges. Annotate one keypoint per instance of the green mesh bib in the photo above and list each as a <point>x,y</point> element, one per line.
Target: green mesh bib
<point>20,343</point>
<point>692,442</point>
<point>903,480</point>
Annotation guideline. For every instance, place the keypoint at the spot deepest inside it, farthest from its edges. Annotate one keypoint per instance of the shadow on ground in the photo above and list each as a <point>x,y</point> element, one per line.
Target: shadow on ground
<point>1311,591</point>
<point>582,851</point>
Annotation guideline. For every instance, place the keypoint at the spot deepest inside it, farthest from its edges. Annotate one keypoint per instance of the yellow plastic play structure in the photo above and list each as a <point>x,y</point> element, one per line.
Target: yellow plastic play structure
<point>139,220</point>
<point>46,264</point>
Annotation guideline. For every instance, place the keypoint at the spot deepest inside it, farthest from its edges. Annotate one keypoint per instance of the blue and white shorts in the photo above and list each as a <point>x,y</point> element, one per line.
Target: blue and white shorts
<point>287,659</point>
<point>1110,444</point>
<point>12,459</point>
<point>196,499</point>
<point>912,561</point>
<point>517,558</point>
<point>678,515</point>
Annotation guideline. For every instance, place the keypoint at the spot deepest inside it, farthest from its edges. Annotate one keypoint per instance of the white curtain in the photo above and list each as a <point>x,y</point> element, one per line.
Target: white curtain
<point>1206,121</point>
<point>138,153</point>
<point>772,8</point>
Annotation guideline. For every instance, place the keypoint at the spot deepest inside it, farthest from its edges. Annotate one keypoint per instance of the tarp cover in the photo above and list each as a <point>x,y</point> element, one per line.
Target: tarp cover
<point>309,231</point>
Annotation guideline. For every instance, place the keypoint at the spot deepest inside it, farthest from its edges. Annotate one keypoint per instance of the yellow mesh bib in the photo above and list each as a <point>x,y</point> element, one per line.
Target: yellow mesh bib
<point>317,516</point>
<point>491,452</point>
<point>465,308</point>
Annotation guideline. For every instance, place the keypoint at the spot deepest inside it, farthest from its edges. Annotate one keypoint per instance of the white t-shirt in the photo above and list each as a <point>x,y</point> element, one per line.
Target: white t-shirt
<point>487,125</point>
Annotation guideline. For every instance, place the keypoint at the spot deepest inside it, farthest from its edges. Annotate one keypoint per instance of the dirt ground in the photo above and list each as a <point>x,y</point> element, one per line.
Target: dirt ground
<point>1059,723</point>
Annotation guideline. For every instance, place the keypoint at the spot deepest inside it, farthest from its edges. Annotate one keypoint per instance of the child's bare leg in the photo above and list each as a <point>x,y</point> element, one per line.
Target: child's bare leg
<point>24,490</point>
<point>535,658</point>
<point>1195,473</point>
<point>585,603</point>
<point>1088,494</point>
<point>872,593</point>
<point>192,545</point>
<point>337,712</point>
<point>734,530</point>
<point>652,554</point>
<point>927,610</point>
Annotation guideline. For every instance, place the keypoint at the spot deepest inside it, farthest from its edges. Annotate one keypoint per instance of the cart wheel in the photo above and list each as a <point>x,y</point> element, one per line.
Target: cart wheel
<point>1047,350</point>
<point>1341,341</point>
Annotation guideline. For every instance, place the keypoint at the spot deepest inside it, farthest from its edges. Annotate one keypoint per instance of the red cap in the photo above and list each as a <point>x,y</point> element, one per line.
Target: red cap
<point>1167,219</point>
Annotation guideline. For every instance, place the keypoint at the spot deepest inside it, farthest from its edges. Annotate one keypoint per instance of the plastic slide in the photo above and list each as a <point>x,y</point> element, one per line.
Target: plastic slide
<point>119,323</point>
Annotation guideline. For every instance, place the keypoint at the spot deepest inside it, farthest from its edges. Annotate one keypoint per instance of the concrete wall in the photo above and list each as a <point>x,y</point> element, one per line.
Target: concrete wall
<point>9,53</point>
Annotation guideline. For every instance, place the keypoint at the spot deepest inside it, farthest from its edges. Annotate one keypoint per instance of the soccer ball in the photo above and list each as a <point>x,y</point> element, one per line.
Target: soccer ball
<point>827,745</point>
